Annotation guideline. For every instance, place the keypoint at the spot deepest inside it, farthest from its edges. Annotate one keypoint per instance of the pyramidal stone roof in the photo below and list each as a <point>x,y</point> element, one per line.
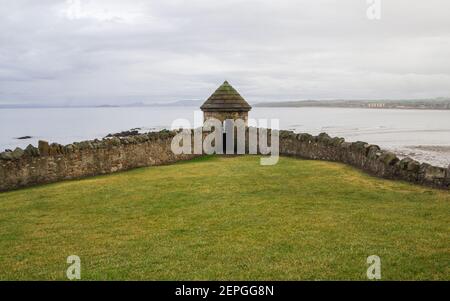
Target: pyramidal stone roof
<point>225,98</point>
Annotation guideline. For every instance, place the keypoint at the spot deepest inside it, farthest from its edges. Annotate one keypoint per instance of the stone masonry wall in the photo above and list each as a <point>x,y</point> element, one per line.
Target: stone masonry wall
<point>362,155</point>
<point>222,116</point>
<point>55,162</point>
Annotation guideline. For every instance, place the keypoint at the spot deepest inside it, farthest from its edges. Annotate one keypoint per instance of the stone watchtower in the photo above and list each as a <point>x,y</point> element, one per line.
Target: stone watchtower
<point>226,103</point>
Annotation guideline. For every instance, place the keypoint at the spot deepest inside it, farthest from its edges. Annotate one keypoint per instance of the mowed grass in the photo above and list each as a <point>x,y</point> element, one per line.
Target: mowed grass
<point>226,218</point>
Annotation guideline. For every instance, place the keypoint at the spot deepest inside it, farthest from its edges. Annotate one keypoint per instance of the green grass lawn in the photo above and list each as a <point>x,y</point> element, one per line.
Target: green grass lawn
<point>218,218</point>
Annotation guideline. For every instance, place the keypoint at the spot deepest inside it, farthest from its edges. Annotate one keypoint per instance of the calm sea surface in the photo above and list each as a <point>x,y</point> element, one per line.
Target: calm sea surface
<point>421,134</point>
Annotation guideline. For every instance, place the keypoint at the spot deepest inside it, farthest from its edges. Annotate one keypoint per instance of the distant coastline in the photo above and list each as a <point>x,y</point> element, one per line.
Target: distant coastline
<point>441,103</point>
<point>417,104</point>
<point>180,103</point>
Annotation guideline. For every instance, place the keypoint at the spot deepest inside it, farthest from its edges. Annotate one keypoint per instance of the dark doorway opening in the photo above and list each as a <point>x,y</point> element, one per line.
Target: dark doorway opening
<point>232,143</point>
<point>224,142</point>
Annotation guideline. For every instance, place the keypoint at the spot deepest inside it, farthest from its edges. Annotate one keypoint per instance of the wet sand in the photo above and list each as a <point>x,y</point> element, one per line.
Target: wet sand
<point>438,155</point>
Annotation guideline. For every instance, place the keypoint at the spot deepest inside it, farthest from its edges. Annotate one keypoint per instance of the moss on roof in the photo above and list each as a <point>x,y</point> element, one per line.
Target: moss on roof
<point>226,98</point>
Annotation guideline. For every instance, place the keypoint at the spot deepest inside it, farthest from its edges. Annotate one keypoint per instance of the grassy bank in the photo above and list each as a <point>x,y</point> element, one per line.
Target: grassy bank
<point>227,218</point>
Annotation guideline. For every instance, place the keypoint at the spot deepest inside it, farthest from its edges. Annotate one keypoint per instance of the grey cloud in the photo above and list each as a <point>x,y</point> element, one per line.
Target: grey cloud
<point>126,51</point>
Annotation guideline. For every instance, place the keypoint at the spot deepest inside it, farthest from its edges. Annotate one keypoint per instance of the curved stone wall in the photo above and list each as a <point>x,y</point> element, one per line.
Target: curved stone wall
<point>362,155</point>
<point>55,162</point>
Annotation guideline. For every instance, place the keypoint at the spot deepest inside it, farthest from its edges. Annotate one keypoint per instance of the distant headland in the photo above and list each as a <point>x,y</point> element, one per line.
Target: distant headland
<point>179,103</point>
<point>440,103</point>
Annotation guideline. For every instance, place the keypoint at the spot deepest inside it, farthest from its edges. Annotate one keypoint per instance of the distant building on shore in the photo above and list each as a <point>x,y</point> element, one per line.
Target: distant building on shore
<point>226,103</point>
<point>376,105</point>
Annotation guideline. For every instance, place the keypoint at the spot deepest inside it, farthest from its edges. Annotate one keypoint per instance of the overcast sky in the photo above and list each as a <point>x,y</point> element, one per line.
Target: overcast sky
<point>97,52</point>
